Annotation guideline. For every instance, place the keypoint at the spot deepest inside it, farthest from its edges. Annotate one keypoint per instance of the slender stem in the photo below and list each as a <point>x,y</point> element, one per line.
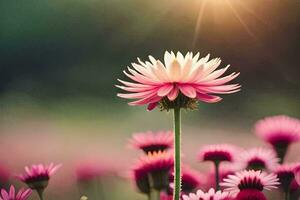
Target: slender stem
<point>217,175</point>
<point>287,194</point>
<point>40,193</point>
<point>177,167</point>
<point>154,195</point>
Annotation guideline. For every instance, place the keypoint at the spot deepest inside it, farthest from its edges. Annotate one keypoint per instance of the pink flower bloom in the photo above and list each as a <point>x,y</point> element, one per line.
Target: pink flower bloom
<point>250,194</point>
<point>158,166</point>
<point>11,194</point>
<point>150,141</point>
<point>258,159</point>
<point>217,153</point>
<point>187,75</point>
<point>250,179</point>
<point>210,195</point>
<point>37,176</point>
<point>280,131</point>
<point>285,174</point>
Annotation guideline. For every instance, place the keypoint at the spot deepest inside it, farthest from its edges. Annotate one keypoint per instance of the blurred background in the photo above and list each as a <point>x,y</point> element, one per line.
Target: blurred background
<point>59,61</point>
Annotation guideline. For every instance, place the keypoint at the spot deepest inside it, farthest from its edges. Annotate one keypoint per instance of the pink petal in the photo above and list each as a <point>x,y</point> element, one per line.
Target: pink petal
<point>137,95</point>
<point>208,98</point>
<point>151,106</point>
<point>135,85</point>
<point>12,192</point>
<point>173,94</point>
<point>165,90</point>
<point>188,91</point>
<point>132,89</point>
<point>4,194</point>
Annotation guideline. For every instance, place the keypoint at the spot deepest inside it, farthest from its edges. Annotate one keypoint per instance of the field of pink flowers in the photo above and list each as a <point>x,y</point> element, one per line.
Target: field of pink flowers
<point>208,161</point>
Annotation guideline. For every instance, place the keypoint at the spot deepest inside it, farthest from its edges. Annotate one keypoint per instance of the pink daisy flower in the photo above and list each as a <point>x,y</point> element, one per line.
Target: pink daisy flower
<point>156,165</point>
<point>286,175</point>
<point>210,195</point>
<point>217,153</point>
<point>11,194</point>
<point>258,159</point>
<point>280,131</point>
<point>180,77</point>
<point>37,176</point>
<point>250,180</point>
<point>150,141</point>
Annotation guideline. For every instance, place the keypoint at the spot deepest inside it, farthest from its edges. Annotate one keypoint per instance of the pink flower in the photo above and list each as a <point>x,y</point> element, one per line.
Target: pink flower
<point>285,174</point>
<point>250,194</point>
<point>37,176</point>
<point>217,153</point>
<point>250,179</point>
<point>280,131</point>
<point>258,159</point>
<point>210,195</point>
<point>156,165</point>
<point>11,194</point>
<point>180,76</point>
<point>150,141</point>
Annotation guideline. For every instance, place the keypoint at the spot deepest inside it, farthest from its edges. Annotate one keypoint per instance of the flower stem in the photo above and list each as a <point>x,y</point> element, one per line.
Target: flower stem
<point>217,175</point>
<point>287,194</point>
<point>154,194</point>
<point>177,167</point>
<point>40,193</point>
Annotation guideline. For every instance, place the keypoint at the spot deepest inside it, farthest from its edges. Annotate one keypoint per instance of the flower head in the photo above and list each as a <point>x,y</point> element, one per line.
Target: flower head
<point>151,142</point>
<point>217,153</point>
<point>155,165</point>
<point>250,179</point>
<point>11,194</point>
<point>37,176</point>
<point>285,174</point>
<point>180,81</point>
<point>280,131</point>
<point>210,195</point>
<point>165,196</point>
<point>258,159</point>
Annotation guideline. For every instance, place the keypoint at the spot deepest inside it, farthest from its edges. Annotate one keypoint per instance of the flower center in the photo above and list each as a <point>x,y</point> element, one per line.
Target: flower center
<point>256,164</point>
<point>180,102</point>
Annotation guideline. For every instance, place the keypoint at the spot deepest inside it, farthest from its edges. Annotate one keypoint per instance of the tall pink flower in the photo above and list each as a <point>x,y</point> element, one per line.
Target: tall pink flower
<point>152,141</point>
<point>258,159</point>
<point>179,77</point>
<point>250,183</point>
<point>37,176</point>
<point>280,131</point>
<point>155,166</point>
<point>11,194</point>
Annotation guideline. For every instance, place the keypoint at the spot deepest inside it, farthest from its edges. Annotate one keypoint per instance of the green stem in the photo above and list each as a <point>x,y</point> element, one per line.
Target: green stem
<point>40,193</point>
<point>217,175</point>
<point>177,167</point>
